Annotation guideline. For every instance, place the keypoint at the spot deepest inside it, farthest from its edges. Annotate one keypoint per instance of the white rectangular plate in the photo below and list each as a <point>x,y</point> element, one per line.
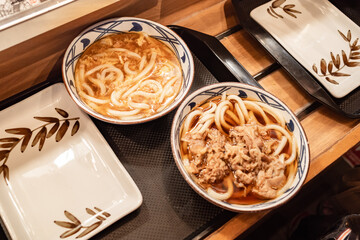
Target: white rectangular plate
<point>74,186</point>
<point>318,36</point>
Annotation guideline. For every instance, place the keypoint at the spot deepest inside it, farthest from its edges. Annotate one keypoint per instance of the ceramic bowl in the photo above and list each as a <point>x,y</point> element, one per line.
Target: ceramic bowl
<point>244,91</point>
<point>120,25</point>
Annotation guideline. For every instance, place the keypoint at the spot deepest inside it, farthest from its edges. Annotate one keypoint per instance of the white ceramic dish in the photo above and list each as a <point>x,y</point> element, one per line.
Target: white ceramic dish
<point>119,25</point>
<point>244,91</point>
<point>310,31</point>
<point>75,186</point>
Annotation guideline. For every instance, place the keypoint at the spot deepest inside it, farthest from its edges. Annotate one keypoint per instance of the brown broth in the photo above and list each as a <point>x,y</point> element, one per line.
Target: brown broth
<point>238,195</point>
<point>110,50</point>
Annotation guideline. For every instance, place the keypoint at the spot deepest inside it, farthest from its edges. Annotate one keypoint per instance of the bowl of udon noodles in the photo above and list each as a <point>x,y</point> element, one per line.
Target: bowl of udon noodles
<point>239,147</point>
<point>127,70</point>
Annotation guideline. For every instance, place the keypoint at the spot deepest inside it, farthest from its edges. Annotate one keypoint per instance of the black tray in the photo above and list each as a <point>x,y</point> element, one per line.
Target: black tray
<point>348,105</point>
<point>170,209</point>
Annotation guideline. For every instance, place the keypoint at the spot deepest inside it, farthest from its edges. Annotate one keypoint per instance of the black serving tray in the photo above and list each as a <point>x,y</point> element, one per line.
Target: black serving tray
<point>348,105</point>
<point>170,209</point>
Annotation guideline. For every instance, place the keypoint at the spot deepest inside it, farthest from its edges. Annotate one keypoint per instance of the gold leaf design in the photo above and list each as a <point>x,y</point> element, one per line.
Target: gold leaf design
<point>62,112</point>
<point>75,225</point>
<point>314,68</point>
<point>7,144</point>
<point>89,211</point>
<point>70,232</point>
<point>4,154</point>
<point>328,70</point>
<point>331,80</point>
<point>25,141</point>
<point>47,119</point>
<point>75,128</point>
<point>62,130</point>
<point>53,129</point>
<point>6,173</point>
<point>330,67</point>
<point>40,136</point>
<point>72,217</point>
<point>323,66</point>
<point>90,229</point>
<point>277,3</point>
<point>12,140</point>
<point>288,9</point>
<point>66,224</point>
<point>19,131</point>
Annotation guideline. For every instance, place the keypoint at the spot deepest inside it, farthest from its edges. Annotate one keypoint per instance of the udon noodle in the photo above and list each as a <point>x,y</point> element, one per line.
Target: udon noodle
<point>128,76</point>
<point>238,150</point>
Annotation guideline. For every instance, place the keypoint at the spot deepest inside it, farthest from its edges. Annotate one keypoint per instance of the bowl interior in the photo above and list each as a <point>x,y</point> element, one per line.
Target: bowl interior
<point>120,25</point>
<point>244,91</point>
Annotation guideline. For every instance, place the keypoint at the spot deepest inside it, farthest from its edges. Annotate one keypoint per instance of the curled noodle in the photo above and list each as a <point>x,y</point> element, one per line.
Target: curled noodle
<point>222,116</point>
<point>128,75</point>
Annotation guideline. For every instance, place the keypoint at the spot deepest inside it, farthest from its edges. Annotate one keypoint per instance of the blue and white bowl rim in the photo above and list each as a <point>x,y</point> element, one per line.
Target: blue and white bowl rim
<point>264,96</point>
<point>70,61</point>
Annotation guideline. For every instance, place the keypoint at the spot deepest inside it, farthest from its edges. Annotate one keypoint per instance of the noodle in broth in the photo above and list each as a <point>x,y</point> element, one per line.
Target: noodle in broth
<point>239,151</point>
<point>128,76</point>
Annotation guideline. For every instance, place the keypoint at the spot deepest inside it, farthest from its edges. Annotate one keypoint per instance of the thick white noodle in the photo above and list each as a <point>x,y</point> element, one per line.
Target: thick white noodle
<point>289,179</point>
<point>206,125</point>
<point>254,107</point>
<point>196,128</point>
<point>212,109</point>
<point>131,90</point>
<point>189,119</point>
<point>273,112</point>
<point>114,98</point>
<point>293,152</point>
<point>166,103</point>
<point>147,68</point>
<point>222,196</point>
<point>143,94</point>
<point>222,117</point>
<point>128,52</point>
<point>138,105</point>
<point>151,83</point>
<point>123,113</point>
<point>97,68</point>
<point>128,70</point>
<point>218,115</point>
<point>92,99</point>
<point>106,68</point>
<point>291,140</point>
<point>167,86</point>
<point>206,116</point>
<point>241,105</point>
<point>88,89</point>
<point>100,84</point>
<point>233,117</point>
<point>240,114</point>
<point>281,146</point>
<point>280,129</point>
<point>142,62</point>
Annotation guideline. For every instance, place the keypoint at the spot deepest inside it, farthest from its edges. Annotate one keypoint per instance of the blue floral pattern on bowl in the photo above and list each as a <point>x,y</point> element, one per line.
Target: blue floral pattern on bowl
<point>243,90</point>
<point>121,25</point>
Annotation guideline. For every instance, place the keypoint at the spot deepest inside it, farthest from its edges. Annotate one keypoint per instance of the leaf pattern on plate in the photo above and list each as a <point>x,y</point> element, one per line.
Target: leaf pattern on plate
<point>75,225</point>
<point>333,68</point>
<point>278,4</point>
<point>41,133</point>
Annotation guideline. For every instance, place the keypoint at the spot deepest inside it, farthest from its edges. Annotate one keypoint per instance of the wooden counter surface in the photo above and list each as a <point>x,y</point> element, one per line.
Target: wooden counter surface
<point>330,134</point>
